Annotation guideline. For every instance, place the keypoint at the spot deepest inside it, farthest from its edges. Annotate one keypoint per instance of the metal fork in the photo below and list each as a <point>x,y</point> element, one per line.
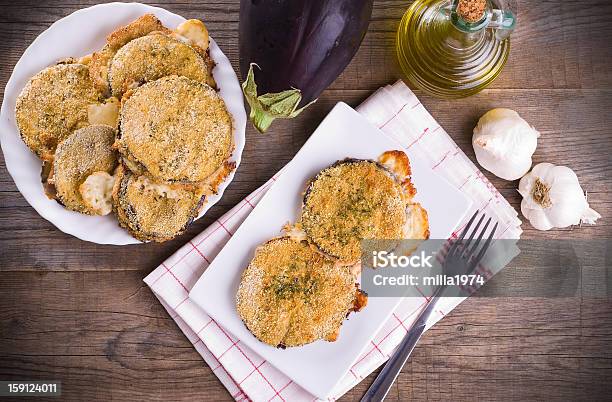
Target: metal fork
<point>460,259</point>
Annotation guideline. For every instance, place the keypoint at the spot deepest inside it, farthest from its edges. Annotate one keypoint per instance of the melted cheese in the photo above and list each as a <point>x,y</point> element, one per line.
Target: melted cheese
<point>163,190</point>
<point>397,162</point>
<point>417,222</point>
<point>295,232</point>
<point>85,59</point>
<point>104,113</point>
<point>97,190</point>
<point>193,32</point>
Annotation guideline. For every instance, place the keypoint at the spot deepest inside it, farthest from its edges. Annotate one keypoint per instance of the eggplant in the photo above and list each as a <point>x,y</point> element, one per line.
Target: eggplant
<point>299,47</point>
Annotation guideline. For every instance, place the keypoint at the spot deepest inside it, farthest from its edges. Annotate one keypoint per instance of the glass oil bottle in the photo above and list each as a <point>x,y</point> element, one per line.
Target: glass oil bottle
<point>454,48</point>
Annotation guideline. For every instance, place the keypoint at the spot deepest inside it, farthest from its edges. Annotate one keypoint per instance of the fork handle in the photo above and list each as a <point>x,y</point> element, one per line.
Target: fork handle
<point>385,379</point>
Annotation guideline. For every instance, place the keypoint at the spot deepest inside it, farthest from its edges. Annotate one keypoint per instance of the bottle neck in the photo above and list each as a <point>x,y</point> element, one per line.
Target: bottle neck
<point>492,16</point>
<point>466,23</point>
<point>470,16</point>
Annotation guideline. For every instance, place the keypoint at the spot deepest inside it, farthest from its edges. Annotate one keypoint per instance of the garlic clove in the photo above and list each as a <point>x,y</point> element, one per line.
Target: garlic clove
<point>537,218</point>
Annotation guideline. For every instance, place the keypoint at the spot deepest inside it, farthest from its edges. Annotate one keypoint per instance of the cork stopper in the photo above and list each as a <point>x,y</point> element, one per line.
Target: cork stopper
<point>471,11</point>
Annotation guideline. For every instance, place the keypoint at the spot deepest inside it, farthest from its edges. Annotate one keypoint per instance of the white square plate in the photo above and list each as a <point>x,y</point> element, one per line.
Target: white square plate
<point>319,366</point>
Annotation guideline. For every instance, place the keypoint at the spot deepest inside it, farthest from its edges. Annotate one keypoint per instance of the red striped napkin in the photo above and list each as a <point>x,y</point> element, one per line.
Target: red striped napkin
<point>398,112</point>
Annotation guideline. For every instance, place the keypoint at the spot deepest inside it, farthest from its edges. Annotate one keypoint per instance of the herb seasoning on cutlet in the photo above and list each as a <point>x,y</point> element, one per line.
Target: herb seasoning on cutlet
<point>152,57</point>
<point>176,129</point>
<point>53,104</point>
<point>291,295</point>
<point>350,201</point>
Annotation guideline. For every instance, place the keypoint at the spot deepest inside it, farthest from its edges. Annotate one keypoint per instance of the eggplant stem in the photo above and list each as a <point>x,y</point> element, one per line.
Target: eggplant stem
<point>268,107</point>
<point>260,119</point>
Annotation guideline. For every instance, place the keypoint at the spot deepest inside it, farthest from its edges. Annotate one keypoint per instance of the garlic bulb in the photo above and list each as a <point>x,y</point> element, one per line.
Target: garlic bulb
<point>553,198</point>
<point>504,142</point>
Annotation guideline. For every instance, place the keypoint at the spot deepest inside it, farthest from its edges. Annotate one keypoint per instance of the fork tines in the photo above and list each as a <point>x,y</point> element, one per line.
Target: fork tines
<point>462,249</point>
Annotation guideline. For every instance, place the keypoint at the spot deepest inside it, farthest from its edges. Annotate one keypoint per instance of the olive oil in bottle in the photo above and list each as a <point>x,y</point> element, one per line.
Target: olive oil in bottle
<point>454,48</point>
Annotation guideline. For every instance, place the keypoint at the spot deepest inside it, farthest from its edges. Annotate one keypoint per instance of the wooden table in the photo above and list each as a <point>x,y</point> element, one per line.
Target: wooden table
<point>80,313</point>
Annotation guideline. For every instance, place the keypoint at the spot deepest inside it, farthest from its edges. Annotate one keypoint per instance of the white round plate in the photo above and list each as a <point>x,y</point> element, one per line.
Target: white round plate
<point>78,34</point>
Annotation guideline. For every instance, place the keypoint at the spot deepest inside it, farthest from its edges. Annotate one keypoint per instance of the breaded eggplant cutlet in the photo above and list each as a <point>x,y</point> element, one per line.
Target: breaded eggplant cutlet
<point>291,295</point>
<point>145,50</point>
<point>100,61</point>
<point>154,211</point>
<point>175,129</point>
<point>52,105</point>
<point>82,170</point>
<point>354,200</point>
<point>151,57</point>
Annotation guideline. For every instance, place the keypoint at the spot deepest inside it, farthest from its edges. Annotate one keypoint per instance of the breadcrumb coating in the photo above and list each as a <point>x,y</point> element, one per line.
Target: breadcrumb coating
<point>350,201</point>
<point>53,104</point>
<point>152,57</point>
<point>100,61</point>
<point>176,129</point>
<point>291,294</point>
<point>85,152</point>
<point>152,210</point>
<point>192,33</point>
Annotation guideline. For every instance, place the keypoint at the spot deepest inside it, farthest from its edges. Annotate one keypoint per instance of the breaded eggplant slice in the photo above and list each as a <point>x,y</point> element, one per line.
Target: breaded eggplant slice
<point>195,33</point>
<point>152,57</point>
<point>85,152</point>
<point>291,295</point>
<point>349,201</point>
<point>52,105</point>
<point>100,61</point>
<point>154,211</point>
<point>191,32</point>
<point>175,129</point>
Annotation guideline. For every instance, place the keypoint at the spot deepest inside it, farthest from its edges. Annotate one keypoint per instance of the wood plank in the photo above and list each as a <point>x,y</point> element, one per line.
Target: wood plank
<point>115,341</point>
<point>104,342</point>
<point>569,46</point>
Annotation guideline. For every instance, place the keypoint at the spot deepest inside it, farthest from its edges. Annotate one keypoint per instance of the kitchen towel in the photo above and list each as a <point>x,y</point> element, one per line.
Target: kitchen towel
<point>396,111</point>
